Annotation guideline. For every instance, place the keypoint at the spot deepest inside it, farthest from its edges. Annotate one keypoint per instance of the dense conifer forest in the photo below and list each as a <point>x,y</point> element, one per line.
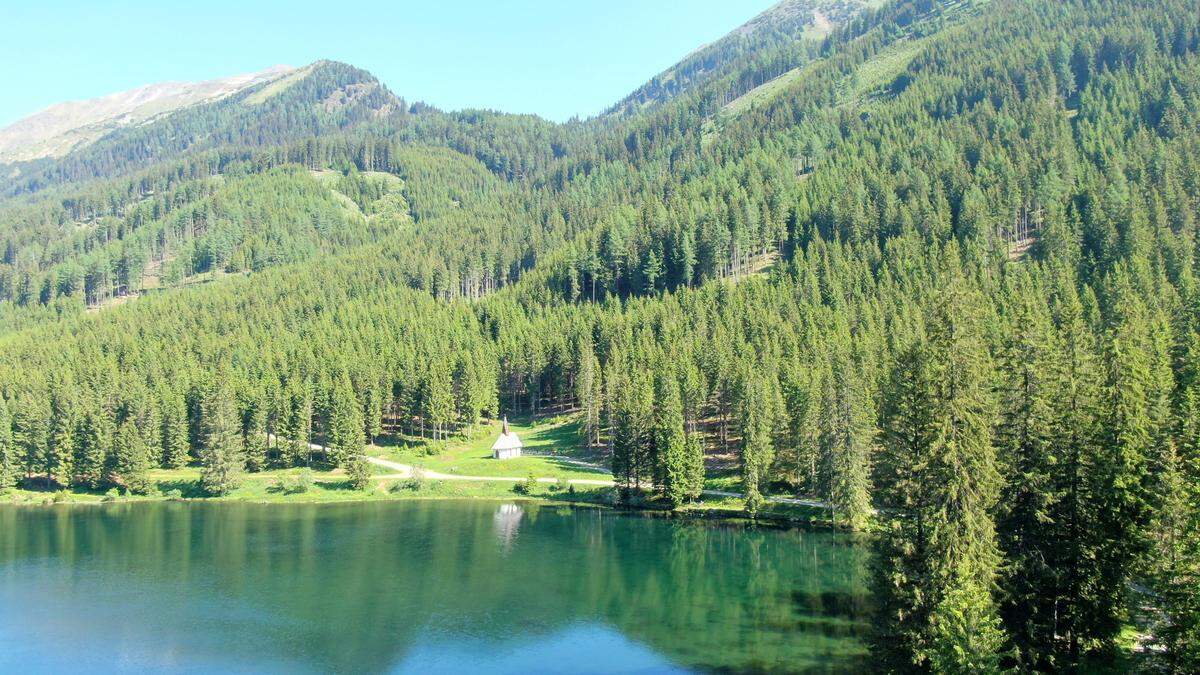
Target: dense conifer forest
<point>937,268</point>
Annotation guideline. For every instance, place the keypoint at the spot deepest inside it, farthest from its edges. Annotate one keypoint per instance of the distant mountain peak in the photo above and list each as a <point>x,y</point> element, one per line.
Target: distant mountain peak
<point>62,127</point>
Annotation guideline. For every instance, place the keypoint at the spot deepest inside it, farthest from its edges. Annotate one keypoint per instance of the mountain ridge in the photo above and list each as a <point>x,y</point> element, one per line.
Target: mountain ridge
<point>63,128</point>
<point>945,273</point>
<point>59,129</point>
<point>787,21</point>
<point>321,97</point>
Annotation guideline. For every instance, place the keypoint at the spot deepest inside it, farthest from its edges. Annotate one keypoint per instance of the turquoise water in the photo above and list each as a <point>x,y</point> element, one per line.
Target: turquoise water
<point>418,587</point>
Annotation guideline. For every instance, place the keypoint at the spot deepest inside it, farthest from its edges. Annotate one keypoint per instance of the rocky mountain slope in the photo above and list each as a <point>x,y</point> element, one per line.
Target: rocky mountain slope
<point>64,127</point>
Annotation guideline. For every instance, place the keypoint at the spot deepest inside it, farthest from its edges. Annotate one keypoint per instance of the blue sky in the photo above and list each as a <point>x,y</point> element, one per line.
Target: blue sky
<point>556,58</point>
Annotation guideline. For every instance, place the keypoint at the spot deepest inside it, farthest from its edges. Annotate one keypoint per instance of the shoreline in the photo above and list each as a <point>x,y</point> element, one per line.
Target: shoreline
<point>717,512</point>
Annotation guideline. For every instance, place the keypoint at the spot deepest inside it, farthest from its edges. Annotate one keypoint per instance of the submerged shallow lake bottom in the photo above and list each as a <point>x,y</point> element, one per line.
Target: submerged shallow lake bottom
<point>420,587</point>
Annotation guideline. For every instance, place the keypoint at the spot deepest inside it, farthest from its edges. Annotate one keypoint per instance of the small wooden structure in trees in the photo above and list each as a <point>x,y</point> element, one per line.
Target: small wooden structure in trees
<point>508,445</point>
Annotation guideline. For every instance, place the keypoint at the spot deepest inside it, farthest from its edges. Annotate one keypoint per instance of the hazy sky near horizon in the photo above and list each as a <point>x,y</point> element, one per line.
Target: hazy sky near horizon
<point>556,58</point>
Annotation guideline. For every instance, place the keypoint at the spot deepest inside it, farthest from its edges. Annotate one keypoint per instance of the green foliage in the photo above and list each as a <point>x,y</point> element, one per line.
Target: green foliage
<point>358,470</point>
<point>254,433</point>
<point>527,486</point>
<point>966,636</point>
<point>8,460</point>
<point>937,555</point>
<point>414,483</point>
<point>976,218</point>
<point>758,430</point>
<point>222,455</point>
<point>847,443</point>
<point>95,436</point>
<point>60,460</point>
<point>297,482</point>
<point>31,434</point>
<point>176,442</point>
<point>630,415</point>
<point>130,459</point>
<point>673,476</point>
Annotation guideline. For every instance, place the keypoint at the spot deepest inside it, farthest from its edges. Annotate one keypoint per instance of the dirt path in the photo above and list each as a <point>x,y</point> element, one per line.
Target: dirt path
<point>406,471</point>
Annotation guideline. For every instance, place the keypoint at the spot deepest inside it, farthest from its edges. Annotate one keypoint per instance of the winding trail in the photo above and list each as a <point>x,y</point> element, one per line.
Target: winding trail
<point>407,471</point>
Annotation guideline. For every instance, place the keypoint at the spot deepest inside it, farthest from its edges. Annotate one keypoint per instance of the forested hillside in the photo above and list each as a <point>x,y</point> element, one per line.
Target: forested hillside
<point>62,128</point>
<point>937,268</point>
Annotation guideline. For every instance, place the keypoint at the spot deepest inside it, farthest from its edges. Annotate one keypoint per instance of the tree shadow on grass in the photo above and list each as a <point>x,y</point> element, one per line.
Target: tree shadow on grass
<point>187,489</point>
<point>332,484</point>
<point>564,464</point>
<point>40,484</point>
<point>399,442</point>
<point>565,440</point>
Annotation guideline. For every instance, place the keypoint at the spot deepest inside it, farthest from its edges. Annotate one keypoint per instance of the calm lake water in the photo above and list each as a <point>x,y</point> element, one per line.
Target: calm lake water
<point>418,587</point>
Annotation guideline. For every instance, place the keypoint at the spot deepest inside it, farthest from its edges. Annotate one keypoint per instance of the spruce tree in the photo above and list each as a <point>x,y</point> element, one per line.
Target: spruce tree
<point>936,552</point>
<point>438,398</point>
<point>847,438</point>
<point>1177,530</point>
<point>1124,469</point>
<point>1079,441</point>
<point>758,446</point>
<point>8,464</point>
<point>60,465</point>
<point>254,432</point>
<point>965,634</point>
<point>693,471</point>
<point>1176,571</point>
<point>346,434</point>
<point>222,457</point>
<point>94,438</point>
<point>588,388</point>
<point>130,459</point>
<point>373,409</point>
<point>176,449</point>
<point>296,427</point>
<point>1027,440</point>
<point>671,443</point>
<point>31,431</point>
<point>632,433</point>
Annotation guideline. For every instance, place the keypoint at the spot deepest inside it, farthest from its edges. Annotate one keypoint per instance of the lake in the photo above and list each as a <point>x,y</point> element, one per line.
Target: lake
<point>419,587</point>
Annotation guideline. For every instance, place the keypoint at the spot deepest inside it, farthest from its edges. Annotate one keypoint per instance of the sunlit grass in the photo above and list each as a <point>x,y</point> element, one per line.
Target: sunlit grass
<point>552,450</point>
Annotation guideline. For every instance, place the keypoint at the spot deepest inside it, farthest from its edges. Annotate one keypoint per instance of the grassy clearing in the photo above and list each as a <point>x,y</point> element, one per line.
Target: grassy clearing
<point>551,451</point>
<point>554,441</point>
<point>267,486</point>
<point>279,486</point>
<point>763,92</point>
<point>327,487</point>
<point>391,205</point>
<point>872,78</point>
<point>278,86</point>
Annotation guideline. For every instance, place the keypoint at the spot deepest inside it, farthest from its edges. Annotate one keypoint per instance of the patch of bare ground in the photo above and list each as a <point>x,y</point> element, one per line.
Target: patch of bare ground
<point>757,266</point>
<point>1020,248</point>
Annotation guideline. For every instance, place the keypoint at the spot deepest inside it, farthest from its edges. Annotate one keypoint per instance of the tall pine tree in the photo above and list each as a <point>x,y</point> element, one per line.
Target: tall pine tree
<point>222,457</point>
<point>936,550</point>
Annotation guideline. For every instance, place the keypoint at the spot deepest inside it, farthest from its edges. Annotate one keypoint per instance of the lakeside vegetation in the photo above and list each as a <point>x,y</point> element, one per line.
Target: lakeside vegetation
<point>552,457</point>
<point>978,341</point>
